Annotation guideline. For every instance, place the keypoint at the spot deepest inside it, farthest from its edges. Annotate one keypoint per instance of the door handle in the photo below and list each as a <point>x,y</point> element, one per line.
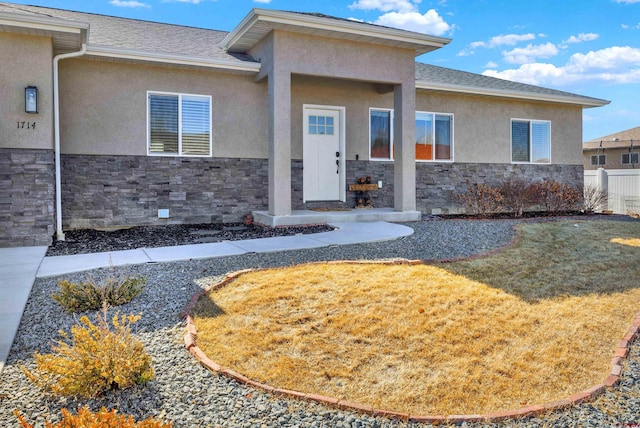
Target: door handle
<point>337,166</point>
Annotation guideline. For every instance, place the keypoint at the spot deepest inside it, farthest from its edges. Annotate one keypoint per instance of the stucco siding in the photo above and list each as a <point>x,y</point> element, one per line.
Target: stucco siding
<point>613,158</point>
<point>26,61</point>
<point>117,123</point>
<point>104,107</point>
<point>356,97</point>
<point>321,56</point>
<point>482,125</point>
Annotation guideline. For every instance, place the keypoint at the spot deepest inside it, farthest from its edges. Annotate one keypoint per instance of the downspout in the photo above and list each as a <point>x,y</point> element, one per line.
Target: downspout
<point>56,126</point>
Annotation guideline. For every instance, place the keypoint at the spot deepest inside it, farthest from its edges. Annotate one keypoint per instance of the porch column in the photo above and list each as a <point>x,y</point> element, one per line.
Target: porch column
<point>280,143</point>
<point>404,180</point>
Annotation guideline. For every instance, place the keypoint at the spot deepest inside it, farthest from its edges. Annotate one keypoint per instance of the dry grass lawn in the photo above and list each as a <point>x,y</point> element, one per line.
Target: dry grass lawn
<point>536,322</point>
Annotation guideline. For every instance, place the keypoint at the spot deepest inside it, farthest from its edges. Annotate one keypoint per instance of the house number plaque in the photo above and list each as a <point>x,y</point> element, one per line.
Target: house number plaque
<point>26,125</point>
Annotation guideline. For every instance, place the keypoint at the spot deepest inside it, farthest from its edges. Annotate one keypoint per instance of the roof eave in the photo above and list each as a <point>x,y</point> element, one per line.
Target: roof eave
<point>421,43</point>
<point>585,102</point>
<point>45,25</point>
<point>184,60</point>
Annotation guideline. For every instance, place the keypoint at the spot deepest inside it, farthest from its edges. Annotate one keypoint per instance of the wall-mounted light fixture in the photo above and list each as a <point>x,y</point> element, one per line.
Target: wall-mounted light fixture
<point>31,99</point>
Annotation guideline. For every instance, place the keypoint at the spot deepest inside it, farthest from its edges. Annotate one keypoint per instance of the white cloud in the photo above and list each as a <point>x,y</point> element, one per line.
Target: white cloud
<point>406,15</point>
<point>616,57</point>
<point>262,1</point>
<point>402,6</point>
<point>491,64</point>
<point>500,40</point>
<point>533,74</point>
<point>128,3</point>
<point>627,1</point>
<point>503,39</point>
<point>530,53</point>
<point>624,26</point>
<point>582,37</point>
<point>617,64</point>
<point>430,22</point>
<point>188,1</point>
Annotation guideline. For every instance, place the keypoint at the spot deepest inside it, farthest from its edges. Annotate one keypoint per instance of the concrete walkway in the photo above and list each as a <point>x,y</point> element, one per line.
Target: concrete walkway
<point>20,266</point>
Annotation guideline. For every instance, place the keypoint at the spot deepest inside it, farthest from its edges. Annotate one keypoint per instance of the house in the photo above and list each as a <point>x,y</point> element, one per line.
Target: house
<point>615,151</point>
<point>137,122</point>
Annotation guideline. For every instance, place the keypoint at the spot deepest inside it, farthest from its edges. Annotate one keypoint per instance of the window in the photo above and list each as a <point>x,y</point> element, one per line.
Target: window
<point>629,158</point>
<point>530,141</point>
<point>434,136</point>
<point>179,124</point>
<point>380,132</point>
<point>322,125</point>
<point>598,159</point>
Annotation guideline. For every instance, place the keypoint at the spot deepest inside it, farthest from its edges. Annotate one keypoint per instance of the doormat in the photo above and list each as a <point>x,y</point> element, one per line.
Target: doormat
<point>329,209</point>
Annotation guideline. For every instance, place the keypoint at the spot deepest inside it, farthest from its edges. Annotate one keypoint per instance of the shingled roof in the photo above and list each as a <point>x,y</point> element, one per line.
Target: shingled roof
<point>440,78</point>
<point>133,34</point>
<point>622,139</point>
<point>109,34</point>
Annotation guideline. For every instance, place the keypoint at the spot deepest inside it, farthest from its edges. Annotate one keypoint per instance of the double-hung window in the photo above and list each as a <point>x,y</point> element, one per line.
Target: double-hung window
<point>434,136</point>
<point>629,158</point>
<point>179,124</point>
<point>598,159</point>
<point>380,134</point>
<point>530,141</point>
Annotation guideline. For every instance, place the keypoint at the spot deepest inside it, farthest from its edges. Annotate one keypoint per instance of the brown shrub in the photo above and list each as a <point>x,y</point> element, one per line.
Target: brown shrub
<point>594,199</point>
<point>517,195</point>
<point>96,293</point>
<point>101,419</point>
<point>556,197</point>
<point>479,198</point>
<point>94,360</point>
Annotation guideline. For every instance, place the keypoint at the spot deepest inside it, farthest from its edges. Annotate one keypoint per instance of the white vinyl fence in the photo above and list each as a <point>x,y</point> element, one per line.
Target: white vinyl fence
<point>622,186</point>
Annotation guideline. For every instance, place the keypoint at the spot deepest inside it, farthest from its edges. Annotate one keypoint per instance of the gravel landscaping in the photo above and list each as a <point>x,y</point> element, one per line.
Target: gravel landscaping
<point>84,241</point>
<point>188,395</point>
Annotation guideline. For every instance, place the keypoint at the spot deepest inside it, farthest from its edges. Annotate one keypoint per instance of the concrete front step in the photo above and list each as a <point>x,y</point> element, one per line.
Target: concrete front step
<point>305,217</point>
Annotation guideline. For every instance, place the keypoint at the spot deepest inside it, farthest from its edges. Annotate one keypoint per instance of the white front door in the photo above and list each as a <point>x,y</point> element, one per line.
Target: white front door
<point>323,154</point>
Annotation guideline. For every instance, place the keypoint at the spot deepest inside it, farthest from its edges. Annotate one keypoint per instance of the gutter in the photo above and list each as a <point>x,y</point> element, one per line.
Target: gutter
<point>41,23</point>
<point>165,58</point>
<point>585,102</point>
<point>274,18</point>
<point>56,126</point>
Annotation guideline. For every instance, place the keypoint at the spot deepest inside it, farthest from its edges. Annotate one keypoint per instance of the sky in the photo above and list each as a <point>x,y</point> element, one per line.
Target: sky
<point>587,47</point>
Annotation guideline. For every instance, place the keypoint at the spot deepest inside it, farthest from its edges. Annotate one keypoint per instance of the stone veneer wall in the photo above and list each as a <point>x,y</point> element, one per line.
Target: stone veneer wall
<point>436,181</point>
<point>27,197</point>
<point>378,171</point>
<point>104,191</point>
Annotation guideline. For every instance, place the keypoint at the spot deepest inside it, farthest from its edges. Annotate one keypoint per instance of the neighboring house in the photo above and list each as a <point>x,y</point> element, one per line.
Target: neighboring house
<point>615,151</point>
<point>212,125</point>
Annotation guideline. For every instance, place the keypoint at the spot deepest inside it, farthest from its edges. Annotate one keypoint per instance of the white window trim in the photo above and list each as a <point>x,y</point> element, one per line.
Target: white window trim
<point>434,140</point>
<point>531,121</point>
<point>179,154</point>
<point>597,158</point>
<point>630,158</point>
<point>391,118</point>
